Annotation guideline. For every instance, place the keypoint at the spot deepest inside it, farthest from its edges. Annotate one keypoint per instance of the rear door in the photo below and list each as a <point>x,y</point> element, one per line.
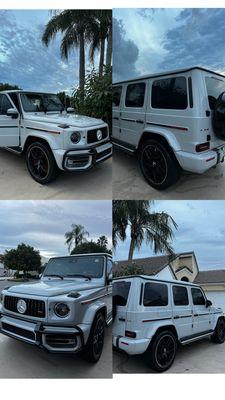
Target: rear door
<point>121,295</point>
<point>201,313</point>
<point>9,127</point>
<point>117,96</point>
<point>182,311</point>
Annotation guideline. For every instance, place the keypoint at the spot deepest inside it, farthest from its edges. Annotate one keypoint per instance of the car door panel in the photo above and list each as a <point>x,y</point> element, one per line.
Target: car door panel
<point>9,127</point>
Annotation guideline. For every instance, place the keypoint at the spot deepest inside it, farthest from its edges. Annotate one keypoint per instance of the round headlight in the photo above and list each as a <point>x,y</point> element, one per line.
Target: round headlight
<point>75,137</point>
<point>61,310</point>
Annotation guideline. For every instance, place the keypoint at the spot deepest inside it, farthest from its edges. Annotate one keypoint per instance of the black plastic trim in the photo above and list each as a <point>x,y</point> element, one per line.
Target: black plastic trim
<point>196,335</point>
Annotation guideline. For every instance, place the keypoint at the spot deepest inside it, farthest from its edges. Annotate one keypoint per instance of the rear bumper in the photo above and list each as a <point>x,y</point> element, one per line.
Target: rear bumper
<point>199,162</point>
<point>54,339</point>
<point>131,346</point>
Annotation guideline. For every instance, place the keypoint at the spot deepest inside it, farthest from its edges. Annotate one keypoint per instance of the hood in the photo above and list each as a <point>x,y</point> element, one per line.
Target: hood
<point>78,121</point>
<point>52,287</point>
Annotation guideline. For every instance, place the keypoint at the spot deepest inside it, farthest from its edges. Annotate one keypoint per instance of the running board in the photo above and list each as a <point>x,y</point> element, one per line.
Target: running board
<point>16,150</point>
<point>194,337</point>
<point>123,146</point>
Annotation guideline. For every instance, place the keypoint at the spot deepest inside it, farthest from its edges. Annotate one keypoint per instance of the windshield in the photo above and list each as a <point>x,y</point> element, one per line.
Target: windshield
<point>41,102</point>
<point>88,266</point>
<point>215,87</point>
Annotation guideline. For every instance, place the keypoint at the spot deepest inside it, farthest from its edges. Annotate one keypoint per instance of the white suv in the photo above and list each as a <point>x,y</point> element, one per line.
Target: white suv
<point>171,121</point>
<point>152,317</point>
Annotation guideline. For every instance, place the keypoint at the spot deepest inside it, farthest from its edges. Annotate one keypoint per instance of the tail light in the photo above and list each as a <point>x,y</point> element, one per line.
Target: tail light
<point>130,334</point>
<point>202,147</point>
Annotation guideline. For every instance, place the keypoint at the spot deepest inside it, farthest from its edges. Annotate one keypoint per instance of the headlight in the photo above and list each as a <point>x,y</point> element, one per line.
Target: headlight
<point>75,137</point>
<point>61,310</point>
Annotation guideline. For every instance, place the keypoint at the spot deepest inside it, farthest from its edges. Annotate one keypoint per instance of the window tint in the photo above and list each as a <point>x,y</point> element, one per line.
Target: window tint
<point>4,104</point>
<point>120,292</point>
<point>155,294</point>
<point>214,88</point>
<point>135,95</point>
<point>170,93</point>
<point>180,296</point>
<point>117,90</point>
<point>197,296</point>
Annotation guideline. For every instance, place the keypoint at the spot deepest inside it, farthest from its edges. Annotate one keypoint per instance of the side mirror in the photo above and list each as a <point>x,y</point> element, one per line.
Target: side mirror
<point>13,113</point>
<point>208,303</point>
<point>109,279</point>
<point>40,276</point>
<point>70,110</point>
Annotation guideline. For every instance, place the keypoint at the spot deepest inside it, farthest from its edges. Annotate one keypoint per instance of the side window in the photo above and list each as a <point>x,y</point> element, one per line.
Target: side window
<point>135,95</point>
<point>117,91</point>
<point>197,296</point>
<point>109,267</point>
<point>4,104</point>
<point>155,294</point>
<point>180,296</point>
<point>120,292</point>
<point>170,93</point>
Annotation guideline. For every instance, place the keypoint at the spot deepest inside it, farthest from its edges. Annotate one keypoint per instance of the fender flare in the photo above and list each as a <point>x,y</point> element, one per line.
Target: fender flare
<point>165,134</point>
<point>48,139</point>
<point>92,310</point>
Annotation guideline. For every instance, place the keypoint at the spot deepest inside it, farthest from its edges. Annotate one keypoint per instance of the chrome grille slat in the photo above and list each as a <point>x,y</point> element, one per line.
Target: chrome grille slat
<point>35,308</point>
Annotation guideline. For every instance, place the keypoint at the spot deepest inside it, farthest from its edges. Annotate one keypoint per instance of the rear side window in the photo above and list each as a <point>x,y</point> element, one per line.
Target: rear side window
<point>197,296</point>
<point>135,95</point>
<point>155,294</point>
<point>117,91</point>
<point>170,93</point>
<point>180,296</point>
<point>4,104</point>
<point>120,292</point>
<point>215,87</point>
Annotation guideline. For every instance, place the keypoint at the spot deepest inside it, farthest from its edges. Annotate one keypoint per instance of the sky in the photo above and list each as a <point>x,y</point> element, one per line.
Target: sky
<point>42,224</point>
<point>201,228</point>
<point>25,61</point>
<point>149,41</point>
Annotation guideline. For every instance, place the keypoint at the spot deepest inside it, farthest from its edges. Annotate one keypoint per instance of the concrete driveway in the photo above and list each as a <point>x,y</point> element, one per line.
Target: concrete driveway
<point>16,183</point>
<point>128,182</point>
<point>199,357</point>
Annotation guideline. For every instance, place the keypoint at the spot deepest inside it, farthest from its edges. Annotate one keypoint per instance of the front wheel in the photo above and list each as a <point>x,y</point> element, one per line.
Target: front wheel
<point>162,351</point>
<point>95,342</point>
<point>41,163</point>
<point>219,333</point>
<point>158,164</point>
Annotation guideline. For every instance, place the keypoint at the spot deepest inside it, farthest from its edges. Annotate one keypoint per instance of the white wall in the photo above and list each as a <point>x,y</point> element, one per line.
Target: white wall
<point>165,274</point>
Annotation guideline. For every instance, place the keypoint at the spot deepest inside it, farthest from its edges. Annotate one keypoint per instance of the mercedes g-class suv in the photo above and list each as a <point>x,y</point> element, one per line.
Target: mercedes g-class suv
<point>171,121</point>
<point>67,310</point>
<point>53,139</point>
<point>152,317</point>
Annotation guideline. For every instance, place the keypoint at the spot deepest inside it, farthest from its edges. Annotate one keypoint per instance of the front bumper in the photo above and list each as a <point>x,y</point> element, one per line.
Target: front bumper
<point>200,162</point>
<point>54,339</point>
<point>131,346</point>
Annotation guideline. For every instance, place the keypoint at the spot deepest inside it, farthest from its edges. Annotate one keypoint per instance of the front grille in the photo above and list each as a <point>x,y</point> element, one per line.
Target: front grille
<point>35,308</point>
<point>92,134</point>
<point>18,331</point>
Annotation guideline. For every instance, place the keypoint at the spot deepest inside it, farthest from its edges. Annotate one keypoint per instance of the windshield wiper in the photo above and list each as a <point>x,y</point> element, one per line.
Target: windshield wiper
<point>55,275</point>
<point>77,275</point>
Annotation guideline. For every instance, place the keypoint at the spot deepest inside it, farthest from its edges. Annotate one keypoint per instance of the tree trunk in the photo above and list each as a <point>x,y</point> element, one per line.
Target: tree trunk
<point>109,48</point>
<point>131,250</point>
<point>82,66</point>
<point>102,56</point>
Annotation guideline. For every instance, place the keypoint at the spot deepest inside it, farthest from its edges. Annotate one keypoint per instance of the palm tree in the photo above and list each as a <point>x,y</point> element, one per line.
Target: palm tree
<point>155,228</point>
<point>76,236</point>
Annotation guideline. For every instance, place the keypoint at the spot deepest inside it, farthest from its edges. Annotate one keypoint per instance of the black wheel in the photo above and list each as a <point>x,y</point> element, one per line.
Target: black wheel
<point>158,165</point>
<point>219,333</point>
<point>95,342</point>
<point>162,351</point>
<point>41,163</point>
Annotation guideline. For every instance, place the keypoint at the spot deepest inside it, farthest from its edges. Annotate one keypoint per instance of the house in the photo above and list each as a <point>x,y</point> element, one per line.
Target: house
<point>2,270</point>
<point>184,267</point>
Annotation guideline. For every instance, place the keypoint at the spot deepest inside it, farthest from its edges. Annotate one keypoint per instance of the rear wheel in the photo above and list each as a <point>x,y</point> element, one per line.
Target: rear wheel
<point>162,351</point>
<point>94,347</point>
<point>219,333</point>
<point>158,164</point>
<point>41,163</point>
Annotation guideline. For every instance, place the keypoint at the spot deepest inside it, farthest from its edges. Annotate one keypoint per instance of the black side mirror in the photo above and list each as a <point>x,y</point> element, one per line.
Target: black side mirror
<point>13,113</point>
<point>208,303</point>
<point>109,279</point>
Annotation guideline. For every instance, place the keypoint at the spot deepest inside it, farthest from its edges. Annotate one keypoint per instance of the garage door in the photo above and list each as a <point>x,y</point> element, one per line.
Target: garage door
<point>217,298</point>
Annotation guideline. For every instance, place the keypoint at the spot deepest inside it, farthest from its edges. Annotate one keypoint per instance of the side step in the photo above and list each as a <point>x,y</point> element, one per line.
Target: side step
<point>15,149</point>
<point>192,338</point>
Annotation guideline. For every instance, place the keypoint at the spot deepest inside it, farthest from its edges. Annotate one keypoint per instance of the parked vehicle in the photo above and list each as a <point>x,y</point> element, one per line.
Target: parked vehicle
<point>67,310</point>
<point>52,139</point>
<point>171,121</point>
<point>152,317</point>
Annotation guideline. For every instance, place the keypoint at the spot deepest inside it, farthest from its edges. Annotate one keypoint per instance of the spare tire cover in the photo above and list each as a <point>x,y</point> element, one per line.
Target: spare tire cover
<point>218,119</point>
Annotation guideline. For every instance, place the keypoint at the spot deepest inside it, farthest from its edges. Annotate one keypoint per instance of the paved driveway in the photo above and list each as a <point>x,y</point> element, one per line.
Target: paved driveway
<point>199,357</point>
<point>128,182</point>
<point>16,183</point>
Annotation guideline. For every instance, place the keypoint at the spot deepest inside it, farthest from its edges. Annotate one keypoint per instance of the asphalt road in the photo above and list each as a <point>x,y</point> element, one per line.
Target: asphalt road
<point>16,182</point>
<point>20,360</point>
<point>199,357</point>
<point>128,182</point>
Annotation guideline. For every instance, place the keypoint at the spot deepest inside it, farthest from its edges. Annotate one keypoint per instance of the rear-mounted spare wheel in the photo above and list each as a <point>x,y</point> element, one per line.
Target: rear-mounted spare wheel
<point>219,117</point>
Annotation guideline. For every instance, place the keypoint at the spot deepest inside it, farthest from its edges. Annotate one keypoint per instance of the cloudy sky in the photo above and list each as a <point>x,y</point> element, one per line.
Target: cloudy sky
<point>201,228</point>
<point>42,224</point>
<point>25,61</point>
<point>154,40</point>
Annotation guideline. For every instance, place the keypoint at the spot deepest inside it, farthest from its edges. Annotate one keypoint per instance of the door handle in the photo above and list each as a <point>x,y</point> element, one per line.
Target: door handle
<point>139,121</point>
<point>115,117</point>
<point>176,317</point>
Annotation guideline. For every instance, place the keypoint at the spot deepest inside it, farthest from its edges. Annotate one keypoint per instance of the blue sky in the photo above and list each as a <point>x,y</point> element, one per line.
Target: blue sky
<point>201,228</point>
<point>146,41</point>
<point>25,61</point>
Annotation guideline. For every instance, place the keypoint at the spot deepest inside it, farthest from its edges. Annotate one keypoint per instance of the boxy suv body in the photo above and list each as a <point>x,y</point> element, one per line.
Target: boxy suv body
<point>152,317</point>
<point>53,139</point>
<point>67,310</point>
<point>172,121</point>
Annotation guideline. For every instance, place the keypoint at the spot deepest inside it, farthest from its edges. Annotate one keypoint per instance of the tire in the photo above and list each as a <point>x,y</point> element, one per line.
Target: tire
<point>93,349</point>
<point>158,164</point>
<point>162,351</point>
<point>41,163</point>
<point>219,333</point>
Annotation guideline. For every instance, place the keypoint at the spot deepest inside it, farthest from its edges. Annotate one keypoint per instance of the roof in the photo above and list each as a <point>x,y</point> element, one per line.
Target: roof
<point>149,278</point>
<point>23,91</point>
<point>83,254</point>
<point>174,72</point>
<point>211,276</point>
